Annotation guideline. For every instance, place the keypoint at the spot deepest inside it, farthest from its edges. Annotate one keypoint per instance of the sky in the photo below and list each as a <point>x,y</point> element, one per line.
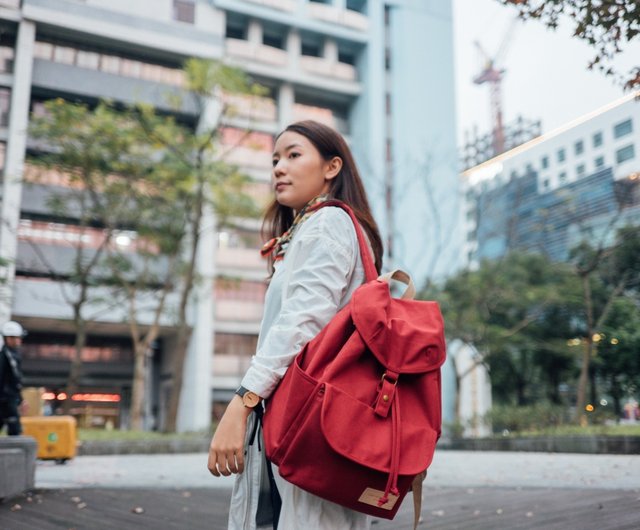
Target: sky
<point>546,71</point>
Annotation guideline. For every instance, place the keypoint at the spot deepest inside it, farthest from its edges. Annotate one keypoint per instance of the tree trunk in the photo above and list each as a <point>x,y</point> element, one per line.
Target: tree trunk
<point>593,385</point>
<point>75,371</point>
<point>583,380</point>
<point>179,356</point>
<point>139,386</point>
<point>587,351</point>
<point>616,395</point>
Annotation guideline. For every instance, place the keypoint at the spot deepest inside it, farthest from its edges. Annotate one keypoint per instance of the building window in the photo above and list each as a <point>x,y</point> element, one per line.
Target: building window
<point>579,147</point>
<point>544,162</point>
<point>346,57</point>
<point>580,170</point>
<point>599,162</point>
<point>273,40</point>
<point>7,55</point>
<point>623,128</point>
<point>597,139</point>
<point>561,155</point>
<point>545,184</point>
<point>235,30</point>
<point>624,154</point>
<point>184,11</point>
<point>562,178</point>
<point>5,102</point>
<point>357,5</point>
<point>309,49</point>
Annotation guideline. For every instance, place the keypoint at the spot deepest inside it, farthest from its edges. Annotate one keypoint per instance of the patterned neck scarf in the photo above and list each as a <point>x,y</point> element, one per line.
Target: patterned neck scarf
<point>277,246</point>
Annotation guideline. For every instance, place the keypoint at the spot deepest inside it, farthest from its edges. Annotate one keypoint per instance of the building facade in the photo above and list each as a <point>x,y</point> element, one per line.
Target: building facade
<point>379,71</point>
<point>578,183</point>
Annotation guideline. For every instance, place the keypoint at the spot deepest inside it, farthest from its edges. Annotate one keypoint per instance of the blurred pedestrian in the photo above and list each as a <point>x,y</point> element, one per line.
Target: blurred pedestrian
<point>11,377</point>
<point>316,267</point>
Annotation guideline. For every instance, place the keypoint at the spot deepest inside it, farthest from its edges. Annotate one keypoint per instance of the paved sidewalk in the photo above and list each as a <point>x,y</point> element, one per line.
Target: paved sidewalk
<point>464,490</point>
<point>449,468</point>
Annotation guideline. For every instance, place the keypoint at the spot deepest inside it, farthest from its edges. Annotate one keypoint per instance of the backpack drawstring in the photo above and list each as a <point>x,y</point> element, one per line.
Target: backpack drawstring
<point>392,482</point>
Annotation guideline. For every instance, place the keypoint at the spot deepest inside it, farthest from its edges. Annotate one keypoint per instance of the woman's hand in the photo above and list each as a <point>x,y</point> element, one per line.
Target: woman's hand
<point>226,452</point>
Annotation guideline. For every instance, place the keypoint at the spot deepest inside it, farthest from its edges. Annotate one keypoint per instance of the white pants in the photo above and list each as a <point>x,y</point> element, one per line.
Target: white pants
<point>304,511</point>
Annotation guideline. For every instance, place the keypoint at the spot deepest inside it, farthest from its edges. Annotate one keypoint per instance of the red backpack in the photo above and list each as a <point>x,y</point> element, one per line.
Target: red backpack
<point>358,413</point>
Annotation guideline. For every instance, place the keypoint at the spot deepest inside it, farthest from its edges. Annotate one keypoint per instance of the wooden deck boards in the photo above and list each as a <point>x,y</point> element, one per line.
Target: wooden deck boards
<point>444,508</point>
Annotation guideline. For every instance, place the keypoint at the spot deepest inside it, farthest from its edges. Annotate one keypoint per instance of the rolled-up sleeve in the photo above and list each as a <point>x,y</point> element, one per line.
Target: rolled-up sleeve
<point>319,271</point>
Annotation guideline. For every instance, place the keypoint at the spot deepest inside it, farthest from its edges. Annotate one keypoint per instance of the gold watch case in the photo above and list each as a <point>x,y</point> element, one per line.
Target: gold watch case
<point>250,399</point>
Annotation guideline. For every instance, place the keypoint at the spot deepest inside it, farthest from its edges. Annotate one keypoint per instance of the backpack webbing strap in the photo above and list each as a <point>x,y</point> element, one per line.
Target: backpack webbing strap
<point>416,488</point>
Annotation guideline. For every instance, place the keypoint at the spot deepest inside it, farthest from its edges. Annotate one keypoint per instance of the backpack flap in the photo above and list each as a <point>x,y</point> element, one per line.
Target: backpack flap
<point>406,336</point>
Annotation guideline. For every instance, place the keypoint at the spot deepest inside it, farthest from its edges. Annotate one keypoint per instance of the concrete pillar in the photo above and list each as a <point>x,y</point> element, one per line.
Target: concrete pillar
<point>14,162</point>
<point>294,47</point>
<point>194,412</point>
<point>330,52</point>
<point>340,4</point>
<point>286,99</point>
<point>254,32</point>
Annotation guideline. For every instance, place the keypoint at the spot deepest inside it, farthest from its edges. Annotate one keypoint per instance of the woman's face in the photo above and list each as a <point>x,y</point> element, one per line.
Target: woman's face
<point>299,171</point>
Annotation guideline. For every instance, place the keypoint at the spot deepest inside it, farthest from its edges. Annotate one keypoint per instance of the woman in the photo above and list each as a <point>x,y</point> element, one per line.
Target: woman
<point>316,267</point>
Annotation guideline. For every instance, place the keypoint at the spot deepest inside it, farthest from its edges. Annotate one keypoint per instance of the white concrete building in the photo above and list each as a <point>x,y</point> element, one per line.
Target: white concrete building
<point>377,70</point>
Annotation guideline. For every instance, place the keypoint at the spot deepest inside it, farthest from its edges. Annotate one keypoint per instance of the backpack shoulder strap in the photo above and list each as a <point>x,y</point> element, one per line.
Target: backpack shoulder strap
<point>367,261</point>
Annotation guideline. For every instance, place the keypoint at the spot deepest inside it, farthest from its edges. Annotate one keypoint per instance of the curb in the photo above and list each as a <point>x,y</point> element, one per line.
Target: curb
<point>612,445</point>
<point>142,447</point>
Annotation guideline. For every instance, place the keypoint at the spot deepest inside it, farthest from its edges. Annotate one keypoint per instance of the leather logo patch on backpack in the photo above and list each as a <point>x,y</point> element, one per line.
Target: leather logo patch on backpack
<point>372,496</point>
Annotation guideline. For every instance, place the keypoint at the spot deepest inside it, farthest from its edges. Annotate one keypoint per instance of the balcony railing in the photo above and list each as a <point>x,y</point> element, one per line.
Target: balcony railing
<point>320,66</point>
<point>247,157</point>
<point>239,258</point>
<point>282,5</point>
<point>230,365</point>
<point>256,52</point>
<point>110,64</point>
<point>332,14</point>
<point>239,311</point>
<point>252,107</point>
<point>10,3</point>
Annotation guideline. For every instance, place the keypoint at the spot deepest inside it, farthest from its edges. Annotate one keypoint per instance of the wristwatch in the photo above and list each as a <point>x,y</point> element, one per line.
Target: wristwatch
<point>249,399</point>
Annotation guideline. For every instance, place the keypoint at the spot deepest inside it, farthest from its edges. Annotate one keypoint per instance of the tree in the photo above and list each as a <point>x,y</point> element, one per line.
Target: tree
<point>503,309</point>
<point>143,172</point>
<point>605,274</point>
<point>87,147</point>
<point>196,159</point>
<point>617,362</point>
<point>606,25</point>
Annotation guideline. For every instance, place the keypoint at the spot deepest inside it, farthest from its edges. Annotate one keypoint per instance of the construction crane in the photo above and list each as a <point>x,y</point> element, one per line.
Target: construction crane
<point>491,73</point>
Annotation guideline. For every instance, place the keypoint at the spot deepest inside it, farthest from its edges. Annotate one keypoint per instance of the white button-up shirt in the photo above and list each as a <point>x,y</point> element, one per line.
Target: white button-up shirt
<point>320,271</point>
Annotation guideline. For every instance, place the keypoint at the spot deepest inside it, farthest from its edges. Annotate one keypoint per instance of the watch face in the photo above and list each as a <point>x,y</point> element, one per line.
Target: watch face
<point>250,399</point>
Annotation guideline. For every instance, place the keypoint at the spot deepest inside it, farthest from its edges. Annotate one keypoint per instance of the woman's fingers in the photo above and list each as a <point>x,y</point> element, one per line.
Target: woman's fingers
<point>240,460</point>
<point>225,462</point>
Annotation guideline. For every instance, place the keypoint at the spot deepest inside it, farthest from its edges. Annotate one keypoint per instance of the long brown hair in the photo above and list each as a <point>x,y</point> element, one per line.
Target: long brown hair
<point>346,186</point>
